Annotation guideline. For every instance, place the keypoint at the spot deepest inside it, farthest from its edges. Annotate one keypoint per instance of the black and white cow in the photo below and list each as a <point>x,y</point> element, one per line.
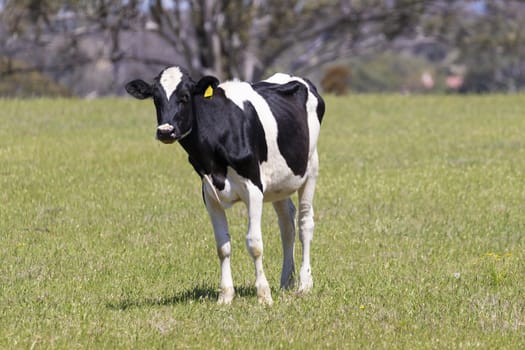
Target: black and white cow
<point>248,142</point>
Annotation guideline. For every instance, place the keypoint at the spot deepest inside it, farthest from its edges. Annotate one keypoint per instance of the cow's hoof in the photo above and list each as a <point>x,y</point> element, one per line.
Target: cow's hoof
<point>304,288</point>
<point>264,296</point>
<point>288,283</point>
<point>226,296</point>
<point>306,282</point>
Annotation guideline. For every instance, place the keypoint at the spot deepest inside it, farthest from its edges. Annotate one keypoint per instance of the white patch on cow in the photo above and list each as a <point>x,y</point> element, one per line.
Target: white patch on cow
<point>277,179</point>
<point>170,79</point>
<point>280,78</point>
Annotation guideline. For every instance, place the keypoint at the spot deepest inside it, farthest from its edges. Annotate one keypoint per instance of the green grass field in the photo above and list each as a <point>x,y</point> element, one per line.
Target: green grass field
<point>419,243</point>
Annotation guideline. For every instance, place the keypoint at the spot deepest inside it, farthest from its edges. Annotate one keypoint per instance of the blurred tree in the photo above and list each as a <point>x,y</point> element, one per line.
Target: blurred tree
<point>56,36</point>
<point>32,84</point>
<point>85,42</point>
<point>487,38</point>
<point>243,39</point>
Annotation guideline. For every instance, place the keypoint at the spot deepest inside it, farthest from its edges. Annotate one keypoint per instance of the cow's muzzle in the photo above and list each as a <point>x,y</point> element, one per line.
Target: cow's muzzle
<point>166,133</point>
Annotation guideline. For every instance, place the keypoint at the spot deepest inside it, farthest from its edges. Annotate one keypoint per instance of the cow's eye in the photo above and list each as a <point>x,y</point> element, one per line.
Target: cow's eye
<point>183,99</point>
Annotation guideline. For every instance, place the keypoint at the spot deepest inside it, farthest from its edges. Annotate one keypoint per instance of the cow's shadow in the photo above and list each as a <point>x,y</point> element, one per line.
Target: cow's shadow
<point>196,294</point>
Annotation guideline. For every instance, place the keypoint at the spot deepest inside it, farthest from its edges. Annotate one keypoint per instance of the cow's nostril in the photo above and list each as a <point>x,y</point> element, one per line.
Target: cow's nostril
<point>165,128</point>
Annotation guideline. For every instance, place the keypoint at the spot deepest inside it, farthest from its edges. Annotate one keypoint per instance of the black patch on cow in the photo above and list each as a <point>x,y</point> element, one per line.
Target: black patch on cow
<point>288,105</point>
<point>224,135</point>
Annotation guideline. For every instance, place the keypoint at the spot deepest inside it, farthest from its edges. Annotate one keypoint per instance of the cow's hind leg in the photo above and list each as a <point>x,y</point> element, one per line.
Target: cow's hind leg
<point>222,239</point>
<point>306,224</point>
<point>286,215</point>
<point>254,243</point>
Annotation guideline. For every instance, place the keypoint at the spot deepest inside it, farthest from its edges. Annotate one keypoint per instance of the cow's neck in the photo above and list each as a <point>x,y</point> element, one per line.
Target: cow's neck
<point>198,154</point>
<point>201,156</point>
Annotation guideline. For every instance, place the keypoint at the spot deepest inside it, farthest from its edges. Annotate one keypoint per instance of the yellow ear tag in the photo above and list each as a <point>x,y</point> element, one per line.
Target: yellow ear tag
<point>209,92</point>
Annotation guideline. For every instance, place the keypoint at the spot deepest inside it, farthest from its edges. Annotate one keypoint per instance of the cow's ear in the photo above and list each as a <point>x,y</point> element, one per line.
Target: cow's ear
<point>206,86</point>
<point>139,89</point>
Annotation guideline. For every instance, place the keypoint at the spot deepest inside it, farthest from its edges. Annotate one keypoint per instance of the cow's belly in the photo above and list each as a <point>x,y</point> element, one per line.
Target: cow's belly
<point>277,185</point>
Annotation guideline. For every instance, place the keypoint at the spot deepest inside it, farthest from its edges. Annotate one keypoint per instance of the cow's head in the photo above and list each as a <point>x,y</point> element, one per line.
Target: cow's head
<point>173,92</point>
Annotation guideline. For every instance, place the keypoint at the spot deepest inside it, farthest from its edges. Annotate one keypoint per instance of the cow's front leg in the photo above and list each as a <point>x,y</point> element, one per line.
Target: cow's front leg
<point>254,243</point>
<point>222,238</point>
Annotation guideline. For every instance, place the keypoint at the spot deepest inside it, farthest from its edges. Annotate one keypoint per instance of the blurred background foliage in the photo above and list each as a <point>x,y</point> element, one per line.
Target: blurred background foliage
<point>91,48</point>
